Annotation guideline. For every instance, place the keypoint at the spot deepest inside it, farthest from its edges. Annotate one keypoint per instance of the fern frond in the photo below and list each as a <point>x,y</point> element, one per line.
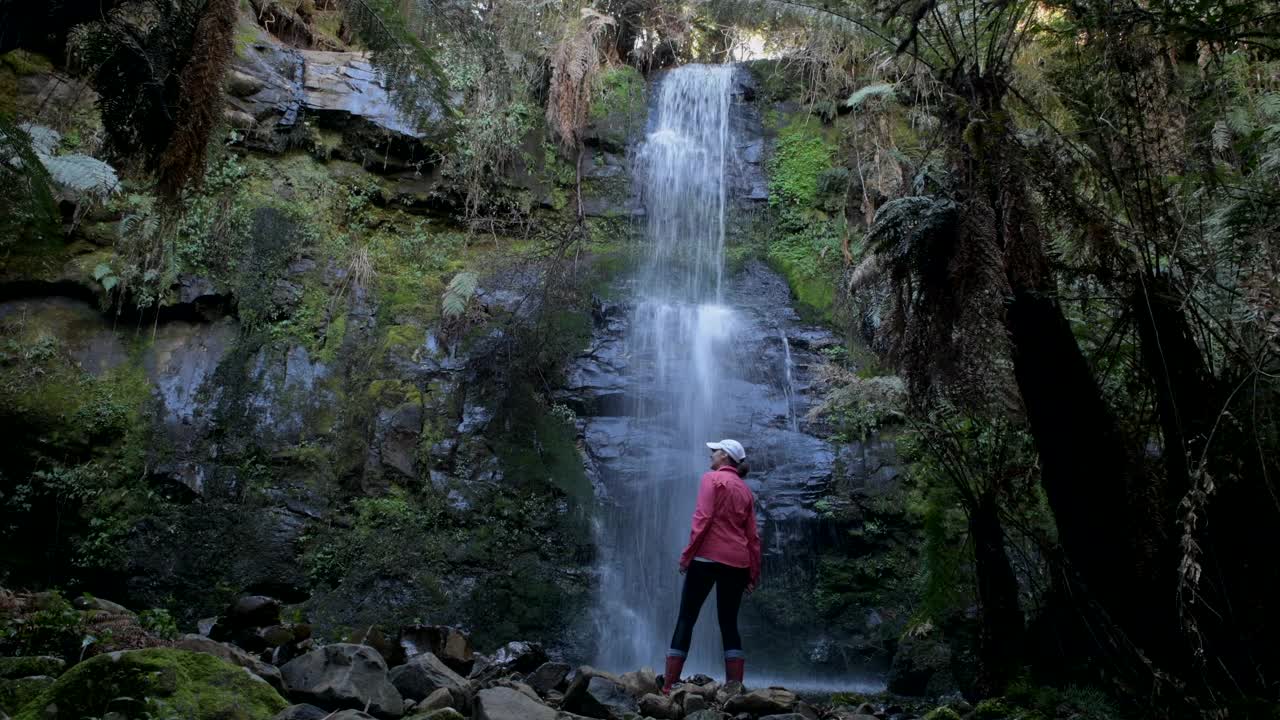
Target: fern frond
<point>81,177</point>
<point>1221,136</point>
<point>459,293</point>
<point>878,91</point>
<point>26,202</point>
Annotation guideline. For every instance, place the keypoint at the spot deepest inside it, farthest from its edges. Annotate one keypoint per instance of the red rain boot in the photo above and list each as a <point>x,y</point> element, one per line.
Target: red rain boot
<point>734,669</point>
<point>675,664</point>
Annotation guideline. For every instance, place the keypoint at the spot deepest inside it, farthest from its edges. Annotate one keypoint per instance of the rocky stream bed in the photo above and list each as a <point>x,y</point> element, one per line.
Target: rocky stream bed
<point>252,664</point>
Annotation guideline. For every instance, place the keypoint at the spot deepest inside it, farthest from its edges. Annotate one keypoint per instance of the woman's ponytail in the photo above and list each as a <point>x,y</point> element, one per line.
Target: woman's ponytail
<point>743,468</point>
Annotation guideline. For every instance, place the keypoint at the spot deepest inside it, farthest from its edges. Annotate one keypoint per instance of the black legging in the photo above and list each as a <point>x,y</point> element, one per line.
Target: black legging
<point>730,582</point>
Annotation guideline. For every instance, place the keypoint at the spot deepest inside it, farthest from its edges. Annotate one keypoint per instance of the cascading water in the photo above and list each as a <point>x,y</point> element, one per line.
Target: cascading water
<point>681,336</point>
<point>700,357</point>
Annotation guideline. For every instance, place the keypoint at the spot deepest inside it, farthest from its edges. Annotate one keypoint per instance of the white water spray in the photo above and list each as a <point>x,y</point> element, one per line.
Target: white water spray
<point>681,347</point>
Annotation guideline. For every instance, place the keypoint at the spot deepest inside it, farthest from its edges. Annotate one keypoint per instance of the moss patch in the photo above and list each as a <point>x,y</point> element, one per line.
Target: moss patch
<point>166,683</point>
<point>621,90</point>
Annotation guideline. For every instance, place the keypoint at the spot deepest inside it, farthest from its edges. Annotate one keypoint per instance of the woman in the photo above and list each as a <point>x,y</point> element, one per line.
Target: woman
<point>723,551</point>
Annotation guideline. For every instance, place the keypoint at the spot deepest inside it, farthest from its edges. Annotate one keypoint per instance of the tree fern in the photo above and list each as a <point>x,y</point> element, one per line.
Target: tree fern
<point>200,102</point>
<point>458,294</point>
<point>574,66</point>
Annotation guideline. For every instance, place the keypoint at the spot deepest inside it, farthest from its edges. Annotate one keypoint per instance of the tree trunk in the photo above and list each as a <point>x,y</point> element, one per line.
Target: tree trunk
<point>1000,649</point>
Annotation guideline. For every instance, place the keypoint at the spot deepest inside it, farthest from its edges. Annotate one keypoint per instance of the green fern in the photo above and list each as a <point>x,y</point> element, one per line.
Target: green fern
<point>877,91</point>
<point>459,293</point>
<point>27,205</point>
<point>80,178</point>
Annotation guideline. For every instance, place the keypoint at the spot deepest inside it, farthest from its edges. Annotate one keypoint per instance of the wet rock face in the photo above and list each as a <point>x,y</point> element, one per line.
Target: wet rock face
<point>272,88</point>
<point>791,468</point>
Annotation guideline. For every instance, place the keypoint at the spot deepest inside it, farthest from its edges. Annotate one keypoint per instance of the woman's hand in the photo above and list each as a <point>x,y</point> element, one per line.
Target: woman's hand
<point>683,569</point>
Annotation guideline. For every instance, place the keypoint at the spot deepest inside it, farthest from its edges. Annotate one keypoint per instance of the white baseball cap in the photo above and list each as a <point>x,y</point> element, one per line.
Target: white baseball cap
<point>731,447</point>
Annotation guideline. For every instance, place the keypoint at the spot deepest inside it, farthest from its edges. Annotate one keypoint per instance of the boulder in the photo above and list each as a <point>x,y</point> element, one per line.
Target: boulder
<point>520,656</point>
<point>441,698</point>
<point>703,715</point>
<point>233,655</point>
<point>88,602</point>
<point>597,696</point>
<point>425,674</point>
<point>549,676</point>
<point>786,716</point>
<point>302,712</point>
<point>659,706</point>
<point>167,682</point>
<point>27,666</point>
<point>770,701</point>
<point>727,691</point>
<point>349,715</point>
<point>15,693</point>
<point>502,703</point>
<point>450,644</point>
<point>254,611</point>
<point>343,675</point>
<point>440,714</point>
<point>640,682</point>
<point>693,703</point>
<point>374,637</point>
<point>806,710</point>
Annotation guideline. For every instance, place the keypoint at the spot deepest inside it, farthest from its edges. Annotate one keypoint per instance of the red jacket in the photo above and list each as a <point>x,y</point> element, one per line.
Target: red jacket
<point>724,523</point>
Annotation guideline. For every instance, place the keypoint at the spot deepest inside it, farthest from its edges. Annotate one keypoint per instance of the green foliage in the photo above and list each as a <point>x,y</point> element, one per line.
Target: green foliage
<point>159,622</point>
<point>24,62</point>
<point>27,206</point>
<point>486,145</point>
<point>856,407</point>
<point>52,629</point>
<point>1086,703</point>
<point>801,155</point>
<point>74,481</point>
<point>620,89</point>
<point>459,293</point>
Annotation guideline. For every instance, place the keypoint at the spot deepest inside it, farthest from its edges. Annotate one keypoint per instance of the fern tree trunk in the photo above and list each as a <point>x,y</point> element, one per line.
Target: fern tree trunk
<point>1100,504</point>
<point>1000,640</point>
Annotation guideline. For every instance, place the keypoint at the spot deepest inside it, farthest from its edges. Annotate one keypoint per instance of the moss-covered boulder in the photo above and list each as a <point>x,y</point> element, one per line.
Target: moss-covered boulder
<point>166,682</point>
<point>15,693</point>
<point>27,666</point>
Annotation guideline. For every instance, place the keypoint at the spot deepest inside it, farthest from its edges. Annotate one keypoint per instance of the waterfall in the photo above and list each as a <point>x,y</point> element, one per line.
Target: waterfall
<point>681,336</point>
<point>788,383</point>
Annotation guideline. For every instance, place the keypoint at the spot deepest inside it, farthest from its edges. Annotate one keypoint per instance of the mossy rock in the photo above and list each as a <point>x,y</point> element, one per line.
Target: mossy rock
<point>942,713</point>
<point>1003,709</point>
<point>16,693</point>
<point>171,683</point>
<point>21,667</point>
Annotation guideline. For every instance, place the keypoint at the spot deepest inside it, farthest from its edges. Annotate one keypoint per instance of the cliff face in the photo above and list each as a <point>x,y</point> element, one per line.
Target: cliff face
<point>297,411</point>
<point>292,413</point>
